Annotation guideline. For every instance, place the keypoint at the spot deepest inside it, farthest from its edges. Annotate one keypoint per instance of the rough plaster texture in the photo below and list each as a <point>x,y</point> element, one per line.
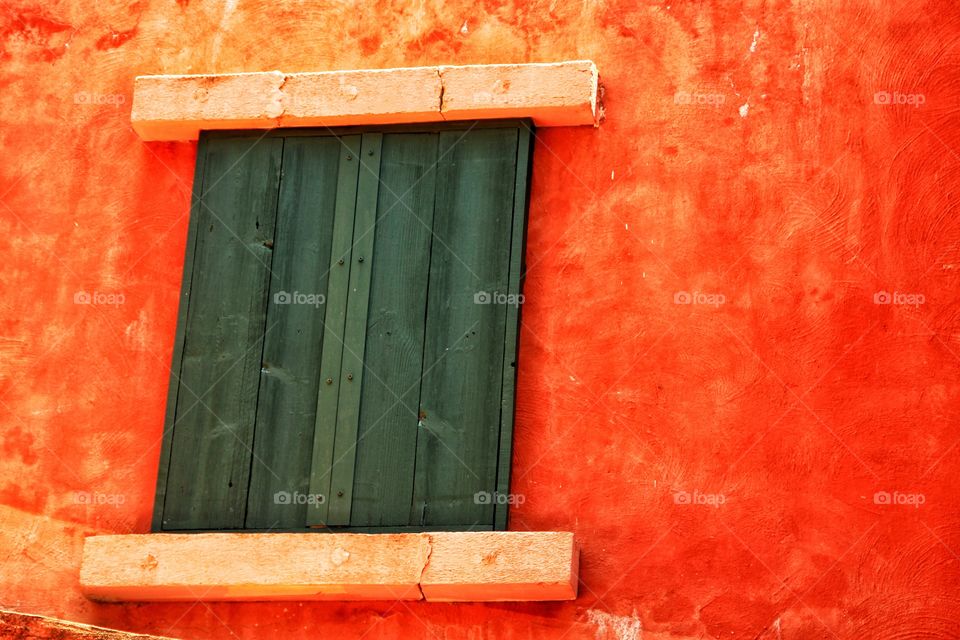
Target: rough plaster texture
<point>36,553</point>
<point>744,153</point>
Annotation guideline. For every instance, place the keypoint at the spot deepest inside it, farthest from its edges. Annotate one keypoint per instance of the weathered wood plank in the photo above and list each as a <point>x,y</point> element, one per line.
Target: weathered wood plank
<point>389,401</point>
<point>290,371</point>
<point>352,373</point>
<point>173,388</point>
<point>216,403</point>
<point>334,321</point>
<point>463,362</point>
<point>22,626</point>
<point>512,324</point>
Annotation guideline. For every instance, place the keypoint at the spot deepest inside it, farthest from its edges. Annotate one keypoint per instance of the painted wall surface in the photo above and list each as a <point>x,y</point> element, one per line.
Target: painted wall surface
<point>740,345</point>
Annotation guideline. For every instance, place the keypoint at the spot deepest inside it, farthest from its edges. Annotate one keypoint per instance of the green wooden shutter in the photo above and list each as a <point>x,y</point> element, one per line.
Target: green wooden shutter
<point>257,288</point>
<point>428,428</point>
<point>390,393</point>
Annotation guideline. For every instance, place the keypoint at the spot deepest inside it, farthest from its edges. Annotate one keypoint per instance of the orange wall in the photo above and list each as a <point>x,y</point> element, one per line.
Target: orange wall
<point>744,153</point>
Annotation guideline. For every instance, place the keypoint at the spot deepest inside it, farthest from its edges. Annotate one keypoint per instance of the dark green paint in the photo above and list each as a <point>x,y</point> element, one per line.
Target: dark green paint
<point>330,365</point>
<point>418,413</point>
<point>460,394</point>
<point>387,442</point>
<point>521,198</point>
<point>220,369</point>
<point>352,371</point>
<point>289,374</point>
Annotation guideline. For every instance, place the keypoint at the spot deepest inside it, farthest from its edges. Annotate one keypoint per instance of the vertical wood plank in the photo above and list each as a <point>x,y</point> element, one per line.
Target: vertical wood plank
<point>334,322</point>
<point>389,399</point>
<point>521,196</point>
<point>290,371</point>
<point>216,402</point>
<point>463,362</point>
<point>177,360</point>
<point>352,374</point>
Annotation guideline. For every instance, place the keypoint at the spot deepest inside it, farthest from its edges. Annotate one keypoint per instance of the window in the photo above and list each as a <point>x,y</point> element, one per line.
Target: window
<point>346,345</point>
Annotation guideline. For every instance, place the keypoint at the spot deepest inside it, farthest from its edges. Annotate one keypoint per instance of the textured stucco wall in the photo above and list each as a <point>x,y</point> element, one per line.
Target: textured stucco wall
<point>745,154</point>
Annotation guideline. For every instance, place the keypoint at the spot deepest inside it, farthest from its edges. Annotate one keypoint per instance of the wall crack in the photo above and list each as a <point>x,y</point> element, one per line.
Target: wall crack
<point>426,562</point>
<point>443,88</point>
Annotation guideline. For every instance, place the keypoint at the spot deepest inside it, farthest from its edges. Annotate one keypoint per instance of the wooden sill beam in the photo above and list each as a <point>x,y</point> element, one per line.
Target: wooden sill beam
<point>447,566</point>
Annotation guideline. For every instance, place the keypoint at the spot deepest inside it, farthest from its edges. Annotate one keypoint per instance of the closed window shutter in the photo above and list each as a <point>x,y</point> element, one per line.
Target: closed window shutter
<point>390,397</point>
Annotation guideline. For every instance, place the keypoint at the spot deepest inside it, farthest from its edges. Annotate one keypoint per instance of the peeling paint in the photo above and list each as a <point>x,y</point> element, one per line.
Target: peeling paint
<point>612,627</point>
